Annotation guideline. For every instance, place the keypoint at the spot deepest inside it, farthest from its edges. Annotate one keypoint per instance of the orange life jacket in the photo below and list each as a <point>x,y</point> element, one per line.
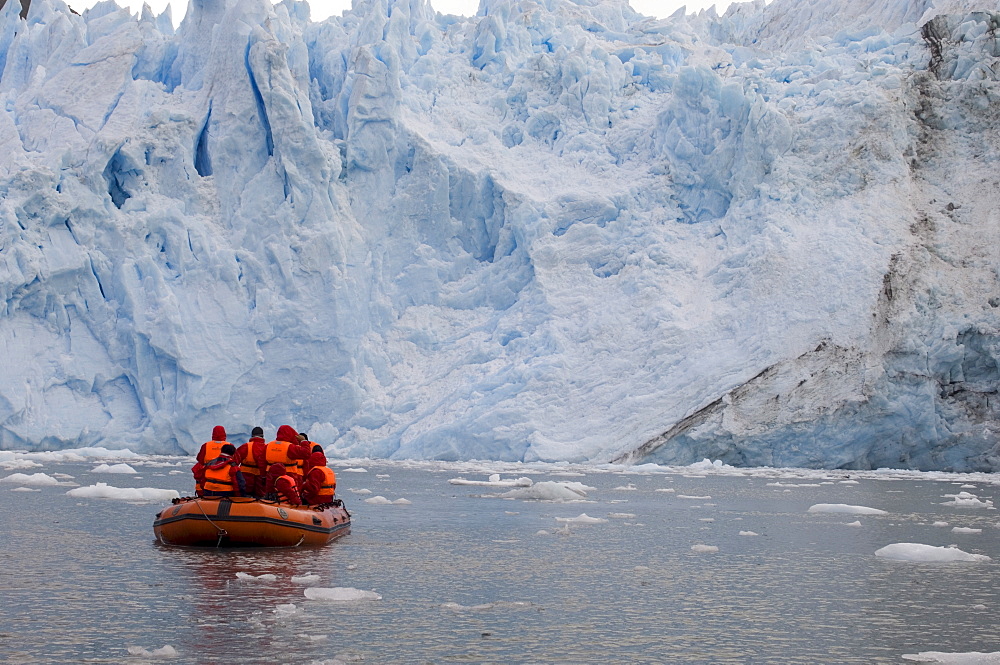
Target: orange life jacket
<point>277,453</point>
<point>213,449</point>
<point>329,486</point>
<point>219,479</point>
<point>249,462</point>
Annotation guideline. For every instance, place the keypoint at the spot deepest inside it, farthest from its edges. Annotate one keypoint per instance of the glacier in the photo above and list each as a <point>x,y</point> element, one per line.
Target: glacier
<point>557,230</point>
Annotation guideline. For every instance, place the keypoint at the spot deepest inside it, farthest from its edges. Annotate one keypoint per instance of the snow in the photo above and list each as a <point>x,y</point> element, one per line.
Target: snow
<point>141,494</point>
<point>920,553</point>
<point>340,594</point>
<point>554,231</point>
<point>844,508</point>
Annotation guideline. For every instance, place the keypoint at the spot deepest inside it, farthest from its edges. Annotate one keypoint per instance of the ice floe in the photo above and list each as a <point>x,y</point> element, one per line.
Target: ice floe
<point>113,468</point>
<point>921,553</point>
<point>105,491</point>
<point>968,658</point>
<point>340,594</point>
<point>36,479</point>
<point>551,490</point>
<point>844,508</point>
<point>966,500</point>
<point>494,481</point>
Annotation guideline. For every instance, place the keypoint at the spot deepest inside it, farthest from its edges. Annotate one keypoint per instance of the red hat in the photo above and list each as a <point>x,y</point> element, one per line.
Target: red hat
<point>218,433</point>
<point>287,433</point>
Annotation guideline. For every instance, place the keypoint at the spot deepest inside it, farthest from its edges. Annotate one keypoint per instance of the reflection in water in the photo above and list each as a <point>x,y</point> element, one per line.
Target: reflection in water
<point>470,579</point>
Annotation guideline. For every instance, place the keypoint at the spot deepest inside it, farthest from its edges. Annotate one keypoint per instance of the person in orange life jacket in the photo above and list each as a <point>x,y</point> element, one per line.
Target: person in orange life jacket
<point>209,451</point>
<point>320,484</point>
<point>287,489</point>
<point>222,476</point>
<point>284,456</point>
<point>250,457</point>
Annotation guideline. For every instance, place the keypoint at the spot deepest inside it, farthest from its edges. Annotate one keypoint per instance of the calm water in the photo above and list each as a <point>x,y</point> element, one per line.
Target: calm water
<point>81,581</point>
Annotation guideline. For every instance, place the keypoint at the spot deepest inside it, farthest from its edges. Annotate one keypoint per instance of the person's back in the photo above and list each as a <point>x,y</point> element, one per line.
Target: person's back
<point>209,451</point>
<point>251,458</point>
<point>284,456</point>
<point>222,475</point>
<point>320,483</point>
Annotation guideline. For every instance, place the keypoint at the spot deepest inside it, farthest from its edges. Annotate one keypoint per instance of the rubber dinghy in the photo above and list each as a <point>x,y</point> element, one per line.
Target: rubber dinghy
<point>248,522</point>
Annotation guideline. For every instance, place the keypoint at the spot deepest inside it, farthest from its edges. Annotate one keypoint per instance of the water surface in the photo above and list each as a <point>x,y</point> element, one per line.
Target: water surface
<point>467,578</point>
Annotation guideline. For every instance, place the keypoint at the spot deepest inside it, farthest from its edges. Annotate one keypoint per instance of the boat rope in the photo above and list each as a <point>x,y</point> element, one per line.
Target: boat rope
<point>222,533</point>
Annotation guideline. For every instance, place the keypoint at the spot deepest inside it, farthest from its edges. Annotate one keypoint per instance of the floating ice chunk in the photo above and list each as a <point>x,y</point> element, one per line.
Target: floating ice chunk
<point>25,489</point>
<point>964,529</point>
<point>551,490</point>
<point>627,488</point>
<point>849,482</point>
<point>340,594</point>
<point>402,502</point>
<point>14,463</point>
<point>542,532</point>
<point>706,519</point>
<point>707,464</point>
<point>666,489</point>
<point>354,470</point>
<point>381,475</point>
<point>379,500</point>
<point>113,468</point>
<point>494,481</point>
<point>164,652</point>
<point>968,658</point>
<point>30,479</point>
<point>927,553</point>
<point>969,487</point>
<point>966,500</point>
<point>285,609</point>
<point>749,533</point>
<point>502,604</point>
<point>305,579</point>
<point>361,491</point>
<point>940,524</point>
<point>626,516</point>
<point>105,491</point>
<point>704,548</point>
<point>696,498</point>
<point>854,523</point>
<point>845,508</point>
<point>582,518</point>
<point>247,577</point>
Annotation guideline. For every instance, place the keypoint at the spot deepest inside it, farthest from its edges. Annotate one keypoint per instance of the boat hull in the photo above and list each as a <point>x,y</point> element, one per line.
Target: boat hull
<point>247,522</point>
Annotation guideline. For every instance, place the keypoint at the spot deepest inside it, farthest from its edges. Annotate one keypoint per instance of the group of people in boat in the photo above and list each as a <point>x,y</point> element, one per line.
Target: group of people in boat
<point>291,468</point>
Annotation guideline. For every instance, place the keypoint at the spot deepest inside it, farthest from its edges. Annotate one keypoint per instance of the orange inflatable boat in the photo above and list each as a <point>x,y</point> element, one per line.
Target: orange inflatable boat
<point>248,522</point>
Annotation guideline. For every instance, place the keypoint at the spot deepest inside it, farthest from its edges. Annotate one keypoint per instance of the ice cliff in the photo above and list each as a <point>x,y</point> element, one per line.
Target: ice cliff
<point>556,230</point>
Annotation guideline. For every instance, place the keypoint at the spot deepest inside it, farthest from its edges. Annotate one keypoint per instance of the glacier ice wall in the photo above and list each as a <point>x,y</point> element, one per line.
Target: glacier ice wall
<point>556,230</point>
